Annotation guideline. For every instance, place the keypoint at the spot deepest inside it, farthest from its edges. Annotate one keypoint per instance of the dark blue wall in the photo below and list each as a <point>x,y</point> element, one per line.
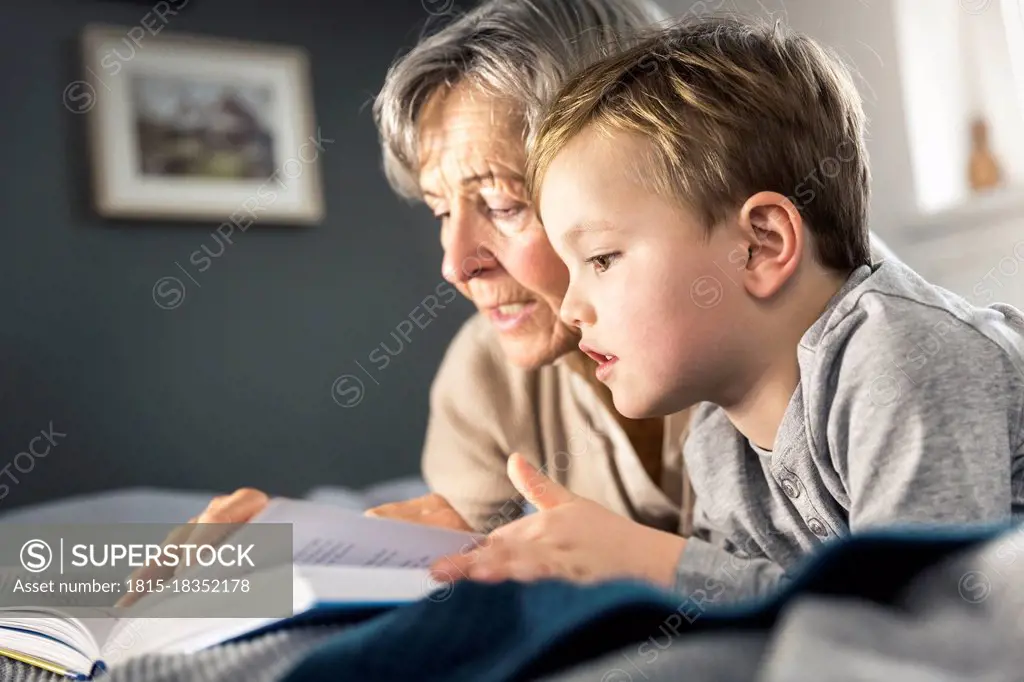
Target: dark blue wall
<point>234,386</point>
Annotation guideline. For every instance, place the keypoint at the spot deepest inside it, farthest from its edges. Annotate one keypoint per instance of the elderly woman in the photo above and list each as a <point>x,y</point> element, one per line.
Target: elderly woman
<point>454,117</point>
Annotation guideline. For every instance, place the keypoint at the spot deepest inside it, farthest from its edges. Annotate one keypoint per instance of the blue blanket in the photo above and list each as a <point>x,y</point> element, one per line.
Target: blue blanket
<point>515,631</point>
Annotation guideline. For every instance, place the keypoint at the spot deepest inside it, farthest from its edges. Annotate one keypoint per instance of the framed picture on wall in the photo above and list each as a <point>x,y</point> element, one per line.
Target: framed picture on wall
<point>185,127</point>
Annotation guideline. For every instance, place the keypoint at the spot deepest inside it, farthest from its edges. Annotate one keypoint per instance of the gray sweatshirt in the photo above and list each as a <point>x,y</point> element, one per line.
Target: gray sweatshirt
<point>909,410</point>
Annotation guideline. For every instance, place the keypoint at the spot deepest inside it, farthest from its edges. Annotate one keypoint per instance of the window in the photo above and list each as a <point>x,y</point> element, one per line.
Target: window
<point>958,61</point>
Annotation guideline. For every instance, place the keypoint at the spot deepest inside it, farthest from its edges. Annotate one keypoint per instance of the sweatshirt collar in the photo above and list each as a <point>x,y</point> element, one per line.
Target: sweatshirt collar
<point>813,335</point>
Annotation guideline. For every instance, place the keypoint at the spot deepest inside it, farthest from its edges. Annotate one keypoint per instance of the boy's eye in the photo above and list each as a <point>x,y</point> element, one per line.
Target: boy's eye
<point>602,262</point>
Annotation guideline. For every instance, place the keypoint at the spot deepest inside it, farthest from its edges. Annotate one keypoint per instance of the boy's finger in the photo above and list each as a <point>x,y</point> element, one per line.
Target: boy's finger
<point>459,566</point>
<point>510,561</point>
<point>520,570</point>
<point>491,572</point>
<point>538,489</point>
<point>449,569</point>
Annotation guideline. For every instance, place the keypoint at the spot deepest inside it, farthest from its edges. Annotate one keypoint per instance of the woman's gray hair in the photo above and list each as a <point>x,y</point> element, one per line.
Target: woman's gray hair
<point>516,50</point>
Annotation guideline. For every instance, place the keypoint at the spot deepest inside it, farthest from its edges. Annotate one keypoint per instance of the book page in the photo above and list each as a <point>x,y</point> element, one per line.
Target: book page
<point>73,618</point>
<point>55,635</point>
<point>326,535</point>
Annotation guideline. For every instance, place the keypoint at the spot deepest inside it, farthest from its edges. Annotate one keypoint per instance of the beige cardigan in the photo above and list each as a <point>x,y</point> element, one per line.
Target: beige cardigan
<point>482,409</point>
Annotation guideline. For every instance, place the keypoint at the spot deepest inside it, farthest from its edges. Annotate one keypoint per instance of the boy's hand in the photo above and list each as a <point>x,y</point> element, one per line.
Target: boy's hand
<point>569,537</point>
<point>430,510</point>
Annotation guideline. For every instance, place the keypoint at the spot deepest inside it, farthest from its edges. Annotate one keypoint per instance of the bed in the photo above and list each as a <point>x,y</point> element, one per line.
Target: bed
<point>925,606</point>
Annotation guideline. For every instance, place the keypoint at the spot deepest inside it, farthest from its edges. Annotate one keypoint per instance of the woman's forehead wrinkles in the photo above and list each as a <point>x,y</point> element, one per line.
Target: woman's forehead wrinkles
<point>470,166</point>
<point>468,141</point>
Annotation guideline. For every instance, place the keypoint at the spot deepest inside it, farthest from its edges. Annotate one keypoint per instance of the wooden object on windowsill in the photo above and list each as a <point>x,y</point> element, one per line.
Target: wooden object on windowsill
<point>983,172</point>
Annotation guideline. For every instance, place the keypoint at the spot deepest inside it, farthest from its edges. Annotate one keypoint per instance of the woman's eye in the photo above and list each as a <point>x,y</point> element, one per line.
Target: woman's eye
<point>602,261</point>
<point>505,213</point>
<point>508,220</point>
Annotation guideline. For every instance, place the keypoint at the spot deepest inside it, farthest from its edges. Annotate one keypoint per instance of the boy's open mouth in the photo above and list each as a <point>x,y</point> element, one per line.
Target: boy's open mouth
<point>604,360</point>
<point>600,358</point>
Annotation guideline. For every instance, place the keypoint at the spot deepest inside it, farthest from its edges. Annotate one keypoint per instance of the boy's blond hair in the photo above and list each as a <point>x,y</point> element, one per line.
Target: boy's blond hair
<point>730,108</point>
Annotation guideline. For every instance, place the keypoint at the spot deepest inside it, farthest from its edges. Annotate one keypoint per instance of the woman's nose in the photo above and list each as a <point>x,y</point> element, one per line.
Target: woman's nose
<point>467,253</point>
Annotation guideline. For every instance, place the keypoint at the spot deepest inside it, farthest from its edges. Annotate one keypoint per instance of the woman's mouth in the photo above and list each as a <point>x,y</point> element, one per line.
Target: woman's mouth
<point>604,361</point>
<point>509,316</point>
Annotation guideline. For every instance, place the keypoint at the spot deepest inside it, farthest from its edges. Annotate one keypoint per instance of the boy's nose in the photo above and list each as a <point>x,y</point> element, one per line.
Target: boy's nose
<point>574,311</point>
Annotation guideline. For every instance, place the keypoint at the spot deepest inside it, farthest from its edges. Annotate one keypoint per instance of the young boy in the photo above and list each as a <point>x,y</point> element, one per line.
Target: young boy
<point>708,191</point>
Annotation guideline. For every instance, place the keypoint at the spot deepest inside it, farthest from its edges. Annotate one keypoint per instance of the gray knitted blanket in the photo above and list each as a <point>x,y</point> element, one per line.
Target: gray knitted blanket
<point>263,659</point>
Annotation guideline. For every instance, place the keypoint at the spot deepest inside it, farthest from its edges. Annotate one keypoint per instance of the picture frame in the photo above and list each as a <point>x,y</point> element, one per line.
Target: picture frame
<point>197,128</point>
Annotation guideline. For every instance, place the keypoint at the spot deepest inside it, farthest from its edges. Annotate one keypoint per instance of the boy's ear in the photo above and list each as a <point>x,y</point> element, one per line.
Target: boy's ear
<point>774,232</point>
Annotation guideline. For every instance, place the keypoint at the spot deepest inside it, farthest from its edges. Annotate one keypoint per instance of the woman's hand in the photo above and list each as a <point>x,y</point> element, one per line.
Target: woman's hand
<point>569,537</point>
<point>238,507</point>
<point>430,510</point>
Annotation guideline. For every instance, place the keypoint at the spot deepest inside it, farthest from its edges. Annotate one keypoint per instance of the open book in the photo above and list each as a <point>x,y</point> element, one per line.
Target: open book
<point>341,560</point>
